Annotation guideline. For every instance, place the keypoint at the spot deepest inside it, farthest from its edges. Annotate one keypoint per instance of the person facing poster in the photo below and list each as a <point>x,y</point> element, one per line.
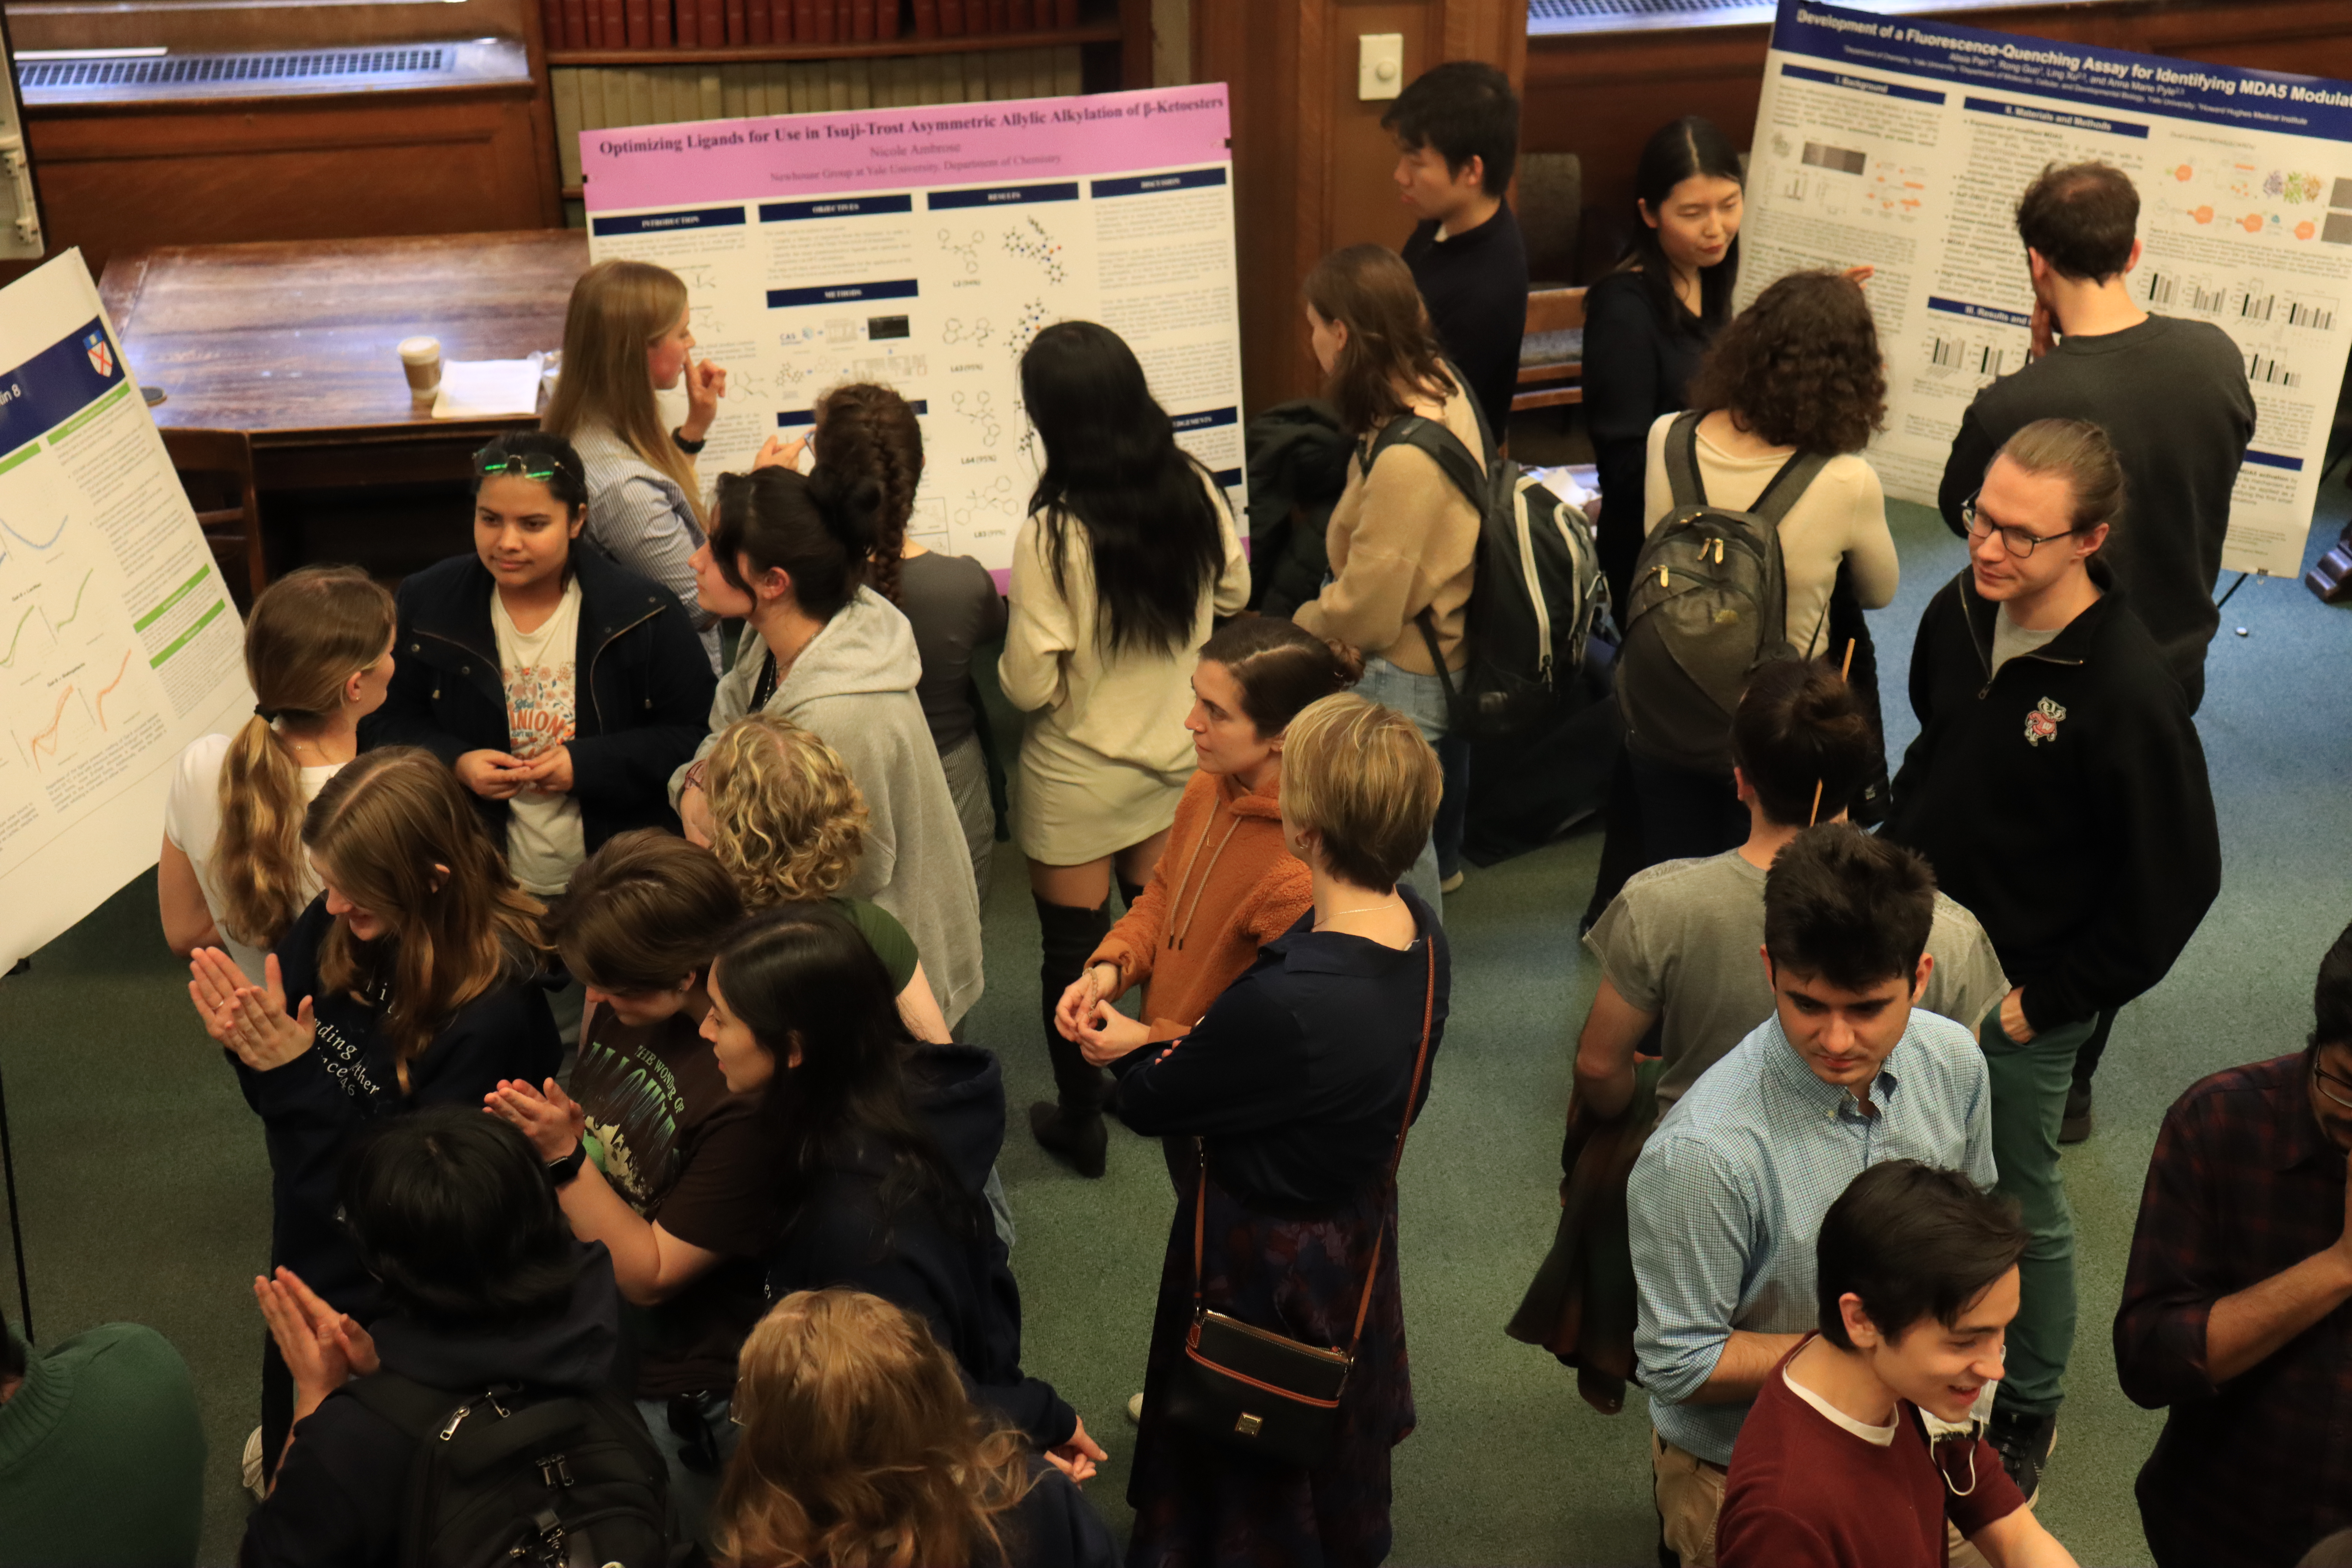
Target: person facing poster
<point>2170,394</point>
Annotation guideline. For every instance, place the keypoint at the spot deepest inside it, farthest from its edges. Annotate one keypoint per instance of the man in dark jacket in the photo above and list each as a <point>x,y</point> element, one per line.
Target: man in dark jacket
<point>2058,788</point>
<point>454,1213</point>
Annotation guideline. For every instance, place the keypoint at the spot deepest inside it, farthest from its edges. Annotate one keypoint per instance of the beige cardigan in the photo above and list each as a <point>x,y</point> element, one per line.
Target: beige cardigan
<point>1130,709</point>
<point>1403,538</point>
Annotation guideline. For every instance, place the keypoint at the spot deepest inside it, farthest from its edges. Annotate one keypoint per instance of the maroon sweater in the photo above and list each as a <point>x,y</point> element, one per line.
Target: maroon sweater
<point>1804,1492</point>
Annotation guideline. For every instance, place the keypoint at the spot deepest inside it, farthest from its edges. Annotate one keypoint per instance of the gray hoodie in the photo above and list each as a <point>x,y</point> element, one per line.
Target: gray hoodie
<point>853,687</point>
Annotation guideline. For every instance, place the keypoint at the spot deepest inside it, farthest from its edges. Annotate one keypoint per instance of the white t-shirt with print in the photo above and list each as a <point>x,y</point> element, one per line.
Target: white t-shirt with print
<point>544,841</point>
<point>192,821</point>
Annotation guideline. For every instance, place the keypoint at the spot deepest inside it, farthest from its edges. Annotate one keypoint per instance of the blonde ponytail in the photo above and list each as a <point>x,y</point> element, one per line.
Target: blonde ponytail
<point>309,632</point>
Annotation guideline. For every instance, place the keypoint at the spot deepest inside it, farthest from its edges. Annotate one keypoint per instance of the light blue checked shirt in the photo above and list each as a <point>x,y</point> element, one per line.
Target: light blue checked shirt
<point>1726,1200</point>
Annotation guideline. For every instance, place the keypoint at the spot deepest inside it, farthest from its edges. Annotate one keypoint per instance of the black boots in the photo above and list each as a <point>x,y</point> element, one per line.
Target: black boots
<point>1071,1125</point>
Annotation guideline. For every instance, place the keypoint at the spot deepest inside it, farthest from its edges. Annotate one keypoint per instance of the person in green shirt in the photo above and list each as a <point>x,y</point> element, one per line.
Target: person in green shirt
<point>102,1451</point>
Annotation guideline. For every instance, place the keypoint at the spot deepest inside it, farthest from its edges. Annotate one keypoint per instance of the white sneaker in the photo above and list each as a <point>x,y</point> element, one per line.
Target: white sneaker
<point>250,1470</point>
<point>1135,1408</point>
<point>1452,884</point>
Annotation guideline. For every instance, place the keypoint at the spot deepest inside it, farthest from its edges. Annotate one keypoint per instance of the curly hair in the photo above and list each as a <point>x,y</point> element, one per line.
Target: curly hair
<point>786,819</point>
<point>871,430</point>
<point>860,1445</point>
<point>1800,367</point>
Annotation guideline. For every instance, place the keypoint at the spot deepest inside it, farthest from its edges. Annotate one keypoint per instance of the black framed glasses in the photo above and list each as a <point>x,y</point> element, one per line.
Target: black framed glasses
<point>2321,1079</point>
<point>2018,542</point>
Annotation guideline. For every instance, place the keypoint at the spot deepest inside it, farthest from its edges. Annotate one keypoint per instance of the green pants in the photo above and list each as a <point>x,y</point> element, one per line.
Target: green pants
<point>2029,1101</point>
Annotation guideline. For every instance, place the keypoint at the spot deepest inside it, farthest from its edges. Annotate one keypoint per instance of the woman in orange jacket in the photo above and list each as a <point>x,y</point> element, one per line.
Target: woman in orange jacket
<point>1226,882</point>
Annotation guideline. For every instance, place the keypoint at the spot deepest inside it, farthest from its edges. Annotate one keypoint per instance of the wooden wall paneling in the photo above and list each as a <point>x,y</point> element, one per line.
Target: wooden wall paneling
<point>297,169</point>
<point>1601,95</point>
<point>1312,168</point>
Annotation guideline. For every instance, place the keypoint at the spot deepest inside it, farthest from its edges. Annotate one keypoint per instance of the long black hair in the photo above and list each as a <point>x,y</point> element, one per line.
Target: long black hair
<point>1689,148</point>
<point>820,529</point>
<point>802,976</point>
<point>1112,462</point>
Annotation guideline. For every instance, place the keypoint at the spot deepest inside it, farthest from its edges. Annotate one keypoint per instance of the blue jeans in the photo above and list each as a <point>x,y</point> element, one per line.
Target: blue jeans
<point>2029,1100</point>
<point>1422,699</point>
<point>692,1494</point>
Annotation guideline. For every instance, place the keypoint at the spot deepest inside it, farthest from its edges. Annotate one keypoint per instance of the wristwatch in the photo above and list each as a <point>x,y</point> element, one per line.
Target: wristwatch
<point>691,449</point>
<point>564,1172</point>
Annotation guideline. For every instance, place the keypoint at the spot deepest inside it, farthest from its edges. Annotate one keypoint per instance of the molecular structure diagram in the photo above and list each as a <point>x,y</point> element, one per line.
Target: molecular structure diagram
<point>1035,245</point>
<point>1026,324</point>
<point>979,408</point>
<point>969,250</point>
<point>993,497</point>
<point>958,332</point>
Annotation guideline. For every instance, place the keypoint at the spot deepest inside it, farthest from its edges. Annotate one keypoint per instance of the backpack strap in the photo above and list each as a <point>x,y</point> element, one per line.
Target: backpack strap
<point>1441,446</point>
<point>1788,487</point>
<point>1685,487</point>
<point>419,1412</point>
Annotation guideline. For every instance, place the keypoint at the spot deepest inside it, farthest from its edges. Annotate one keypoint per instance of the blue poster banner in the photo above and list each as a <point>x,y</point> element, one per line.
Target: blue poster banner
<point>56,384</point>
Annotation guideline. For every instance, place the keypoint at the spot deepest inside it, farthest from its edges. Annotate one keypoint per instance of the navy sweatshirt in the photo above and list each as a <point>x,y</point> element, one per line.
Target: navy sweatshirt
<point>1475,286</point>
<point>343,1488</point>
<point>2063,802</point>
<point>314,1106</point>
<point>957,1276</point>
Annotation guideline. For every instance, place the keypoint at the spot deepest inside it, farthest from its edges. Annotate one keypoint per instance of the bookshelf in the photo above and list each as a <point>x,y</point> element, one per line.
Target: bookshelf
<point>1107,47</point>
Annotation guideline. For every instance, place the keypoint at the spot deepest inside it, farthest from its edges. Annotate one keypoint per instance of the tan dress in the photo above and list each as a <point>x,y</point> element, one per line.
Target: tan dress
<point>1105,756</point>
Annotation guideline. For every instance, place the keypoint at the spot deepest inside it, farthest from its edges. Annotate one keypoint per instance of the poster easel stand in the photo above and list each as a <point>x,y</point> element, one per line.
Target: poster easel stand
<point>8,1175</point>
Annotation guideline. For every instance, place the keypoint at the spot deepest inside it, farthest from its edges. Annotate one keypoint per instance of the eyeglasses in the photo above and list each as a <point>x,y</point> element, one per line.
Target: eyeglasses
<point>537,465</point>
<point>2321,1078</point>
<point>2018,542</point>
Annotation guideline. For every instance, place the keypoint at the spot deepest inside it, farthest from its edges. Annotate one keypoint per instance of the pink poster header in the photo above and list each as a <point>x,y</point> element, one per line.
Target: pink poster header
<point>930,145</point>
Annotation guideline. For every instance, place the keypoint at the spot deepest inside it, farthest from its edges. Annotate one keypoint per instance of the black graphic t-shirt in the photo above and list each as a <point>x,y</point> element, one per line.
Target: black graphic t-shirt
<point>686,1155</point>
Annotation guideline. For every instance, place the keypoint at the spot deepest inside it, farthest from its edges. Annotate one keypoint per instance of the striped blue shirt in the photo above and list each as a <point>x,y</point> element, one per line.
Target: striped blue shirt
<point>1726,1200</point>
<point>639,517</point>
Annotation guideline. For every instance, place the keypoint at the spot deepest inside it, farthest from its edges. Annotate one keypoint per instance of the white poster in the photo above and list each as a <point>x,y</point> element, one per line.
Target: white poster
<point>922,248</point>
<point>117,641</point>
<point>1905,142</point>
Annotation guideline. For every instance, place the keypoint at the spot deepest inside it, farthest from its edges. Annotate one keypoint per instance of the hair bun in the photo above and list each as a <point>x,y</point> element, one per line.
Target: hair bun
<point>850,505</point>
<point>1346,663</point>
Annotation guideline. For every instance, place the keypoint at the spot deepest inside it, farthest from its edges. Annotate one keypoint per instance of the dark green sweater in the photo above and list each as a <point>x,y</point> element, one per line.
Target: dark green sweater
<point>101,1455</point>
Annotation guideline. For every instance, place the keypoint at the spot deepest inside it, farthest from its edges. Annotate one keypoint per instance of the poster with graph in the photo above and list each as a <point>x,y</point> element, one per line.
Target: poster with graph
<point>1904,143</point>
<point>923,248</point>
<point>117,641</point>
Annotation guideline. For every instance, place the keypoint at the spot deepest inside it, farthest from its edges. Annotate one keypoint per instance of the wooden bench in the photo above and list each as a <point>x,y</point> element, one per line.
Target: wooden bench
<point>1551,356</point>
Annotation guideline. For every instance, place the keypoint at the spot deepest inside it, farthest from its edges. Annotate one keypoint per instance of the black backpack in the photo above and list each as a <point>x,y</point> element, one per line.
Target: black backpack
<point>1536,591</point>
<point>521,1478</point>
<point>1710,603</point>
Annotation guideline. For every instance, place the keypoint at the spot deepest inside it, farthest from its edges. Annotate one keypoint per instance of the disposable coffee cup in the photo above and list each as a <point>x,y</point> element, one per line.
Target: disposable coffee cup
<point>421,359</point>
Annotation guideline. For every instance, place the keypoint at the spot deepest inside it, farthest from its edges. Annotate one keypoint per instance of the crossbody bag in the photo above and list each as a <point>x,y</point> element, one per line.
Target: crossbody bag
<point>1263,1393</point>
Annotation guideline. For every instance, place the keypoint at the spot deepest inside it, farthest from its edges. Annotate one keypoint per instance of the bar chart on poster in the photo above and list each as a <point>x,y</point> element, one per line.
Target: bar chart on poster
<point>119,644</point>
<point>1905,142</point>
<point>923,248</point>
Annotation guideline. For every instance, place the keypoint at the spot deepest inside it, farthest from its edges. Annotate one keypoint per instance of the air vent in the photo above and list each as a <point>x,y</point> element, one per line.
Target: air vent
<point>1579,10</point>
<point>209,70</point>
<point>122,76</point>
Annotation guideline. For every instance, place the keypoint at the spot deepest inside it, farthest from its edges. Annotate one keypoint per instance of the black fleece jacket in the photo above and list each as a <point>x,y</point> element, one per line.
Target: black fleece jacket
<point>956,1274</point>
<point>2063,802</point>
<point>312,1106</point>
<point>342,1489</point>
<point>644,689</point>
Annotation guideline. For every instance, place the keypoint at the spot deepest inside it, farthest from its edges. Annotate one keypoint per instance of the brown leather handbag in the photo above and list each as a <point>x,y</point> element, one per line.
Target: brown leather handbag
<point>1263,1393</point>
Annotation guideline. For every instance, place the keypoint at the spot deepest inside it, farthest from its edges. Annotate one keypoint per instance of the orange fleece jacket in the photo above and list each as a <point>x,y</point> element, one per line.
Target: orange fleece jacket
<point>1225,885</point>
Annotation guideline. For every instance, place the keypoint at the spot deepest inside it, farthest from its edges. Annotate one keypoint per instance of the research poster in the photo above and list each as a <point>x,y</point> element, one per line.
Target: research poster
<point>119,644</point>
<point>924,248</point>
<point>1904,143</point>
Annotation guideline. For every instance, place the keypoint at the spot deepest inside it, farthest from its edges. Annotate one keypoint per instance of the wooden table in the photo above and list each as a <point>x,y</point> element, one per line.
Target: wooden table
<point>294,341</point>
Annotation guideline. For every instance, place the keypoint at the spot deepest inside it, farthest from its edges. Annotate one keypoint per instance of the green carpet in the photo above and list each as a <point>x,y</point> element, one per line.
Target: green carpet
<point>145,1186</point>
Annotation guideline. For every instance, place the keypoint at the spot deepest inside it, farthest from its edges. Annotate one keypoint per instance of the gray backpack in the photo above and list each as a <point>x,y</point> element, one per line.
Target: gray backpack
<point>1709,604</point>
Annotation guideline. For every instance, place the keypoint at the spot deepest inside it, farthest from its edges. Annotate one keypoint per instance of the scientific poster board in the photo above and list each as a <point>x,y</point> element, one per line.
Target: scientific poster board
<point>1905,142</point>
<point>119,644</point>
<point>923,248</point>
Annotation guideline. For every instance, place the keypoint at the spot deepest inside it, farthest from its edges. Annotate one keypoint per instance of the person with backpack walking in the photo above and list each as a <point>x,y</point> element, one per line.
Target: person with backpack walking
<point>1404,538</point>
<point>496,1321</point>
<point>1756,498</point>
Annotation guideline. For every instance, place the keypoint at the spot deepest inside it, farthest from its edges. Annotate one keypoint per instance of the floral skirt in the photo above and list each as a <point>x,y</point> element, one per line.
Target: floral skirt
<point>1198,1503</point>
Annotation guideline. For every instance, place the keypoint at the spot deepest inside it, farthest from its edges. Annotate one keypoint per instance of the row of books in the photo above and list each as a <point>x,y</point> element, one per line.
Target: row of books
<point>722,24</point>
<point>603,98</point>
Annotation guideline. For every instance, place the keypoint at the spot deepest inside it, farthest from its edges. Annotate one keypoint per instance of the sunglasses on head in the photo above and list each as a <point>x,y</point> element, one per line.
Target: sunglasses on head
<point>531,465</point>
